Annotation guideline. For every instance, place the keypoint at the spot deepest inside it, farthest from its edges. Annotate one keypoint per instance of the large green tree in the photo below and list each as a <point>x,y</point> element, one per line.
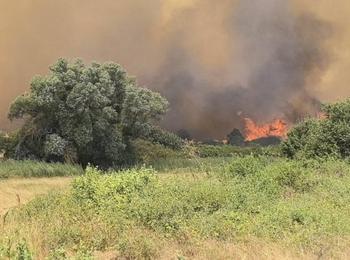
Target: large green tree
<point>88,114</point>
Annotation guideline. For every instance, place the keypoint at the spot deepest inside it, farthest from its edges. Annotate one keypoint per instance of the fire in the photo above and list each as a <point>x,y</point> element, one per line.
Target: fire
<point>254,131</point>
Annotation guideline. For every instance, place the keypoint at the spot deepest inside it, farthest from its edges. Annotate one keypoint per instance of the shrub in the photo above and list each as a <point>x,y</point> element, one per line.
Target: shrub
<point>292,174</point>
<point>320,138</point>
<point>165,138</point>
<point>245,166</point>
<point>147,152</point>
<point>97,189</point>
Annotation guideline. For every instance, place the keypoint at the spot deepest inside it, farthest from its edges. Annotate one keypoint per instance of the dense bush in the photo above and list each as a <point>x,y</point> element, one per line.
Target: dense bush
<point>245,166</point>
<point>325,137</point>
<point>165,138</point>
<point>100,190</point>
<point>148,153</point>
<point>285,201</point>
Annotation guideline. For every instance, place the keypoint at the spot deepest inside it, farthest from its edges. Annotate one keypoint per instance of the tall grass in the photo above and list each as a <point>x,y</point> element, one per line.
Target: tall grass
<point>11,169</point>
<point>194,165</point>
<point>300,205</point>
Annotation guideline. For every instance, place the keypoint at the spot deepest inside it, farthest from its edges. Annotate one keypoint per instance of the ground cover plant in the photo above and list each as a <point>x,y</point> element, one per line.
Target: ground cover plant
<point>300,205</point>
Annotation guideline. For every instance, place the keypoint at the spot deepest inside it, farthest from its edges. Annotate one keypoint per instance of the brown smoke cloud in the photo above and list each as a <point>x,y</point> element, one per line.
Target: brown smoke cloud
<point>212,59</point>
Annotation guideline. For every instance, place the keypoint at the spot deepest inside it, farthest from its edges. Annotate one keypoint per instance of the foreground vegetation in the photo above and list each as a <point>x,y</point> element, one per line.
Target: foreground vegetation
<point>182,200</point>
<point>18,191</point>
<point>280,203</point>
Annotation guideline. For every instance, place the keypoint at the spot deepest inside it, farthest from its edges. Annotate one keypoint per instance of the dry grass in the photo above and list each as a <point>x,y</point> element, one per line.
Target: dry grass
<point>219,250</point>
<point>18,191</point>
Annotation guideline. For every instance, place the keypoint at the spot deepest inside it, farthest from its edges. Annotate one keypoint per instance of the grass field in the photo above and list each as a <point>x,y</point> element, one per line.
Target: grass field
<point>214,208</point>
<point>28,169</point>
<point>15,192</point>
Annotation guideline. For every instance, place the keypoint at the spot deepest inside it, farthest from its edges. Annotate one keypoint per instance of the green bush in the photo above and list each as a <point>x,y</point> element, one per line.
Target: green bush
<point>163,137</point>
<point>97,189</point>
<point>292,174</point>
<point>147,152</point>
<point>320,138</point>
<point>244,166</point>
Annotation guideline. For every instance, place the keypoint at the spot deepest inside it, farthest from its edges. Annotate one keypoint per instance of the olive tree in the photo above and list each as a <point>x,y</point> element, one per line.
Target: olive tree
<point>89,114</point>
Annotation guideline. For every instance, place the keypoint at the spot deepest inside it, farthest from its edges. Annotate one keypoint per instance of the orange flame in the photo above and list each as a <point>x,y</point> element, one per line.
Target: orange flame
<point>254,131</point>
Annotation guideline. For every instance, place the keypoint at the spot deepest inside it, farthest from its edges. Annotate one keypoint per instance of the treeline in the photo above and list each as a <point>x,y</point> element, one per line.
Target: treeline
<point>94,114</point>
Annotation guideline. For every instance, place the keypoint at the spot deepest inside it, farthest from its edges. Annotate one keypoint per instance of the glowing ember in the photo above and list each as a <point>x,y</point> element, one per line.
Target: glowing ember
<point>254,131</point>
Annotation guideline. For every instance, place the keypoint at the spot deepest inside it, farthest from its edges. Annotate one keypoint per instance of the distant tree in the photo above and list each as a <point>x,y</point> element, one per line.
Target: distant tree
<point>87,113</point>
<point>328,136</point>
<point>236,138</point>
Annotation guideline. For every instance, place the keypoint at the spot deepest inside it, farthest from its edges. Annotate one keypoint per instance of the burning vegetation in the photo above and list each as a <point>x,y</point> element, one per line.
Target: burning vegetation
<point>257,50</point>
<point>258,134</point>
<point>253,131</point>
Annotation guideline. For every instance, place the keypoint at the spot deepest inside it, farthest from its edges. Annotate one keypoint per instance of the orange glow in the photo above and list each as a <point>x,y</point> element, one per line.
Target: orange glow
<point>254,131</point>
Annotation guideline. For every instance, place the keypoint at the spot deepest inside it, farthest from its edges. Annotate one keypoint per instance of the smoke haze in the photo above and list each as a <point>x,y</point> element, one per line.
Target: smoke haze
<point>214,60</point>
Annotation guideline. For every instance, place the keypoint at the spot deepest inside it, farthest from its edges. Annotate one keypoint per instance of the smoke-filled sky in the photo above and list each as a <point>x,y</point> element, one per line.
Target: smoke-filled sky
<point>215,61</point>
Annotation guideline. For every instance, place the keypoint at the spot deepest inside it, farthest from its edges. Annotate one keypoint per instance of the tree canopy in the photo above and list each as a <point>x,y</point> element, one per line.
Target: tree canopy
<point>87,114</point>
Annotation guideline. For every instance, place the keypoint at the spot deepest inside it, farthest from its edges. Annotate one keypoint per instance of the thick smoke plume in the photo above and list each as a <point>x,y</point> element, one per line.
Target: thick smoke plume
<point>215,61</point>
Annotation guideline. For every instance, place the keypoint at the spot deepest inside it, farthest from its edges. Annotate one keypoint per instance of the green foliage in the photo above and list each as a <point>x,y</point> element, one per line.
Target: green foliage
<point>88,113</point>
<point>18,251</point>
<point>22,252</point>
<point>291,202</point>
<point>28,169</point>
<point>54,146</point>
<point>8,144</point>
<point>194,157</point>
<point>97,190</point>
<point>327,137</point>
<point>244,166</point>
<point>148,153</point>
<point>165,138</point>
